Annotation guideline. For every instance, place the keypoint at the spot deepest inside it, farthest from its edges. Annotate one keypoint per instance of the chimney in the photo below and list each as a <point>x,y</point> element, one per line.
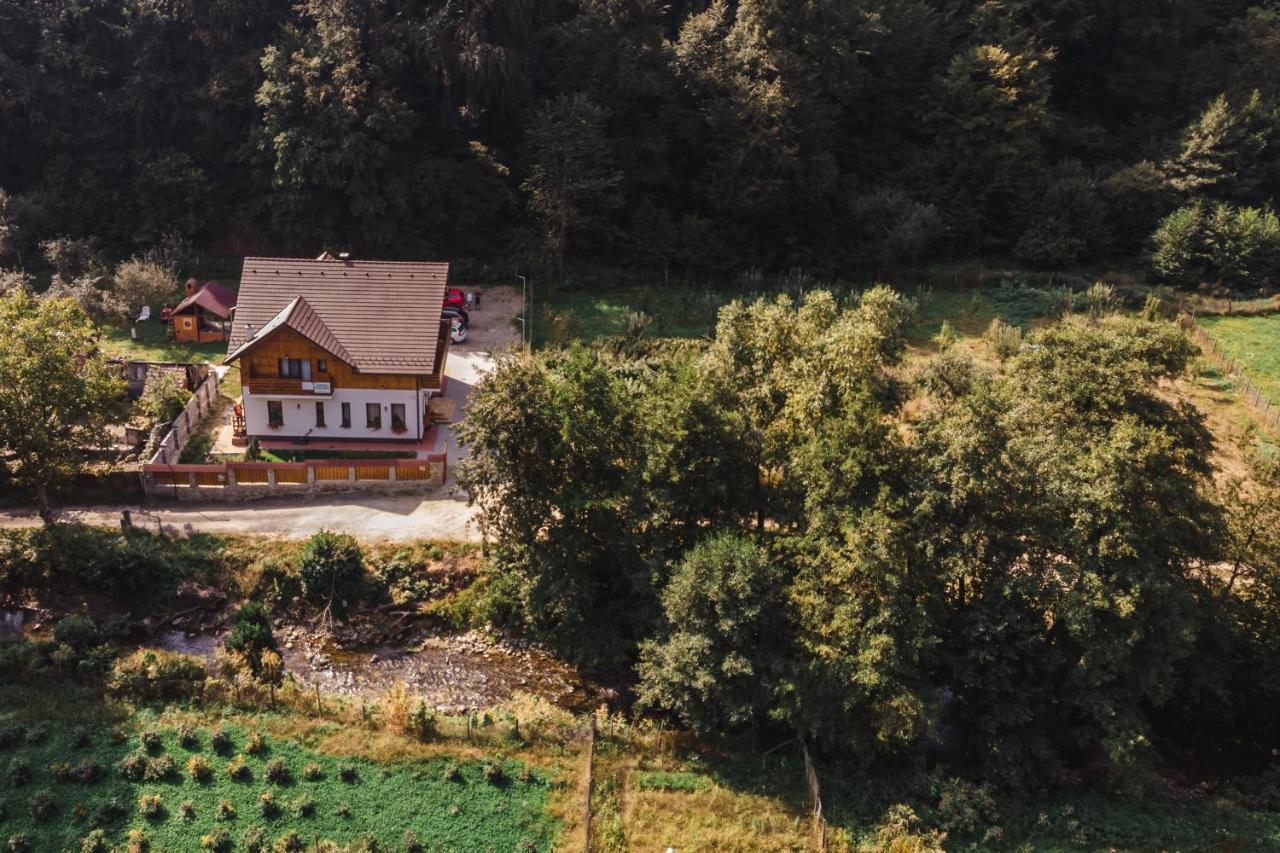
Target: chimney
<point>192,286</point>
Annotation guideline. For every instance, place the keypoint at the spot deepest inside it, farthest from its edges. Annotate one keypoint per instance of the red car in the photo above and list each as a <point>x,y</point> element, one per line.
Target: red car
<point>455,298</point>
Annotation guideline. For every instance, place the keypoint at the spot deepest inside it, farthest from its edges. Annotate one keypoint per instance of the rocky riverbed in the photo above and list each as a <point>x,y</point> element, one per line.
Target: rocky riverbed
<point>451,672</point>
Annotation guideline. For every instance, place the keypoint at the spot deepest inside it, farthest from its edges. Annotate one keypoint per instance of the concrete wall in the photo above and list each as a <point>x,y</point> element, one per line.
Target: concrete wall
<point>230,481</point>
<point>300,415</point>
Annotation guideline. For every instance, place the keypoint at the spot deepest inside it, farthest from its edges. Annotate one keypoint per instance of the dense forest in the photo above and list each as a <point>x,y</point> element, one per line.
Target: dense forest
<point>824,134</point>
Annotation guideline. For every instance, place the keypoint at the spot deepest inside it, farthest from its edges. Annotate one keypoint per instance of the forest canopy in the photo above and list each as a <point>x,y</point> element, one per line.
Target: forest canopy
<point>825,134</point>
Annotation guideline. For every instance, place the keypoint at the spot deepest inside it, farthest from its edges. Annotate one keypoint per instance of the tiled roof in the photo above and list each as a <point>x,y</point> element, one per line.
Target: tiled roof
<point>384,315</point>
<point>302,318</point>
<point>212,297</point>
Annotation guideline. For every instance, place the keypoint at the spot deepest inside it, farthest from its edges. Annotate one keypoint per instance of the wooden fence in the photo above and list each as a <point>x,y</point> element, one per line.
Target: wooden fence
<point>170,449</point>
<point>1267,410</point>
<point>255,479</point>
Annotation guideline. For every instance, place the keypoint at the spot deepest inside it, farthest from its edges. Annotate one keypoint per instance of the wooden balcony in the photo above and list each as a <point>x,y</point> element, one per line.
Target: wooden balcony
<point>288,387</point>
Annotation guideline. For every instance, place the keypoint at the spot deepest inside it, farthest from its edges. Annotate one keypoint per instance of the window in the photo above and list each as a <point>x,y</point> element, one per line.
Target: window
<point>322,366</point>
<point>295,368</point>
<point>346,415</point>
<point>373,415</point>
<point>320,415</point>
<point>275,413</point>
<point>397,418</point>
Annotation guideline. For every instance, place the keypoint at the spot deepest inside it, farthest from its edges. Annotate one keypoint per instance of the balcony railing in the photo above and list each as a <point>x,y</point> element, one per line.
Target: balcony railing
<point>292,387</point>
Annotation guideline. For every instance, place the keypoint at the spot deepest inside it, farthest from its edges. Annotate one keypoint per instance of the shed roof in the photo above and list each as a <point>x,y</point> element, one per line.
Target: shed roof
<point>378,316</point>
<point>213,298</point>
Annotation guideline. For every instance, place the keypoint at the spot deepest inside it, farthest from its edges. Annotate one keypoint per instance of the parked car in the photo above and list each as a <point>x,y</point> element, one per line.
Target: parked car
<point>459,320</point>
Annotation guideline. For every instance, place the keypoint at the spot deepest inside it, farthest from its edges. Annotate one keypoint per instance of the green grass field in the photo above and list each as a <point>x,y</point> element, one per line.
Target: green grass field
<point>324,797</point>
<point>155,344</point>
<point>1253,341</point>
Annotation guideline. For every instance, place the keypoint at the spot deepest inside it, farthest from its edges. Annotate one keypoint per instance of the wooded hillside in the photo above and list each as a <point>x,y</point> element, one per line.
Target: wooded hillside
<point>828,134</point>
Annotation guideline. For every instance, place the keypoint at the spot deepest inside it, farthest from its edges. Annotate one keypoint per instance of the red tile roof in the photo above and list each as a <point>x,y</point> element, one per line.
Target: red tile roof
<point>384,315</point>
<point>213,298</point>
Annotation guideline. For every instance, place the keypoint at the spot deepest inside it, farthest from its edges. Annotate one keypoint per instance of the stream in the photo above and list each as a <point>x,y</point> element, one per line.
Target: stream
<point>453,673</point>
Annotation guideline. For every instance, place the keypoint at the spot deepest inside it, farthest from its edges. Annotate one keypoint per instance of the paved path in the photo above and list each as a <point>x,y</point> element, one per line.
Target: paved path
<point>373,518</point>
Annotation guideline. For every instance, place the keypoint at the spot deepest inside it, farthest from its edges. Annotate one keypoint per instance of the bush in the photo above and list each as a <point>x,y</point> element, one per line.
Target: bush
<point>148,674</point>
<point>187,809</point>
<point>267,806</point>
<point>332,570</point>
<point>217,840</point>
<point>20,842</point>
<point>1233,245</point>
<point>151,806</point>
<point>250,634</point>
<point>277,771</point>
<point>151,741</point>
<point>158,769</point>
<point>199,769</point>
<point>80,737</point>
<point>109,812</point>
<point>220,741</point>
<point>238,770</point>
<point>39,733</point>
<point>304,807</point>
<point>43,806</point>
<point>19,772</point>
<point>226,810</point>
<point>290,842</point>
<point>255,840</point>
<point>452,773</point>
<point>1005,340</point>
<point>312,772</point>
<point>134,766</point>
<point>188,738</point>
<point>86,772</point>
<point>342,810</point>
<point>964,807</point>
<point>254,744</point>
<point>347,773</point>
<point>137,841</point>
<point>95,842</point>
<point>493,773</point>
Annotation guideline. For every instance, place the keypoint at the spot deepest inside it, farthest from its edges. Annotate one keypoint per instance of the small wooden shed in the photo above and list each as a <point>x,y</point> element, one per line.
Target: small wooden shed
<point>204,315</point>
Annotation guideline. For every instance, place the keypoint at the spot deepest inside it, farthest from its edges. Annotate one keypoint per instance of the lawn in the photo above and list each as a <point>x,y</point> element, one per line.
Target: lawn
<point>155,343</point>
<point>65,777</point>
<point>1253,341</point>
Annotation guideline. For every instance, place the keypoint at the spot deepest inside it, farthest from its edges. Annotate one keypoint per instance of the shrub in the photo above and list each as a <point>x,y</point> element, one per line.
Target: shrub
<point>151,741</point>
<point>452,773</point>
<point>267,806</point>
<point>87,771</point>
<point>199,769</point>
<point>188,738</point>
<point>187,809</point>
<point>61,771</point>
<point>80,736</point>
<point>220,741</point>
<point>964,807</point>
<point>255,840</point>
<point>277,771</point>
<point>217,840</point>
<point>411,843</point>
<point>290,842</point>
<point>137,841</point>
<point>150,674</point>
<point>343,810</point>
<point>151,806</point>
<point>95,842</point>
<point>238,770</point>
<point>250,634</point>
<point>134,766</point>
<point>899,832</point>
<point>312,772</point>
<point>109,812</point>
<point>493,773</point>
<point>332,570</point>
<point>43,806</point>
<point>1005,340</point>
<point>39,733</point>
<point>158,769</point>
<point>254,744</point>
<point>1232,245</point>
<point>304,806</point>
<point>11,734</point>
<point>19,772</point>
<point>20,842</point>
<point>348,773</point>
<point>226,810</point>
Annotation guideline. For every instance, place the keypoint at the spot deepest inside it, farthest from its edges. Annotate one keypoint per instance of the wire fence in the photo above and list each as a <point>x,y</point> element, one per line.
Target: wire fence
<point>1253,395</point>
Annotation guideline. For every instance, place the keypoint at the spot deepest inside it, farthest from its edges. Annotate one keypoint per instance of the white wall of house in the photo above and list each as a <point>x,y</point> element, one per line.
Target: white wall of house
<point>300,415</point>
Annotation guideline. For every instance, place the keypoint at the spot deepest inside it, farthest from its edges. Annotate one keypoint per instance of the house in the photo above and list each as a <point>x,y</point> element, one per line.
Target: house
<point>203,316</point>
<point>339,349</point>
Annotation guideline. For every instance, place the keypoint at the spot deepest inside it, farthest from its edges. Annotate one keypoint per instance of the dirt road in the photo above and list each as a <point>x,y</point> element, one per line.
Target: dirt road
<point>373,518</point>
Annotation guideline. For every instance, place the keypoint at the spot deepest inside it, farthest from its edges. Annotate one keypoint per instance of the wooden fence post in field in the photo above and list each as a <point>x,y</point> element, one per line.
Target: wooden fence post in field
<point>590,785</point>
<point>815,796</point>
